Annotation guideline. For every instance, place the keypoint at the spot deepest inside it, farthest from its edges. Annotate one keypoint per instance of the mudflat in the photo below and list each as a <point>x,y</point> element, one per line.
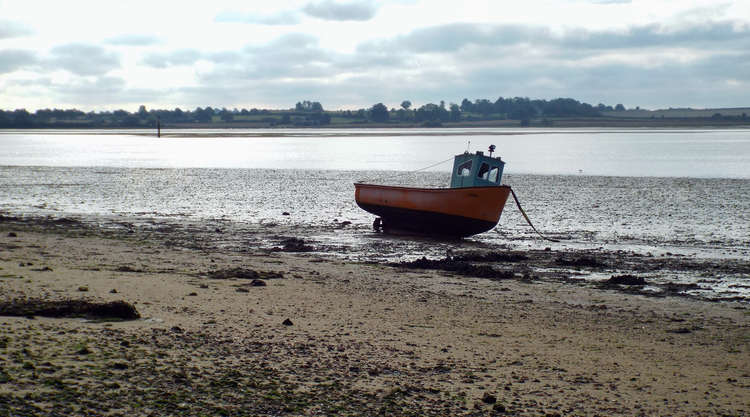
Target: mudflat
<point>223,331</point>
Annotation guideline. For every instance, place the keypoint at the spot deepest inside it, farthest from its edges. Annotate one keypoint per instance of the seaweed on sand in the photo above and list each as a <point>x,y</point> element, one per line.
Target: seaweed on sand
<point>491,257</point>
<point>581,262</point>
<point>242,273</point>
<point>457,266</point>
<point>626,279</point>
<point>29,307</point>
<point>293,244</point>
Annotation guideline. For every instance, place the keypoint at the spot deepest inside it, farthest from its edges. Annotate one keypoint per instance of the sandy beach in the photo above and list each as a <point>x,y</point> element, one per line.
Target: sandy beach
<point>224,331</point>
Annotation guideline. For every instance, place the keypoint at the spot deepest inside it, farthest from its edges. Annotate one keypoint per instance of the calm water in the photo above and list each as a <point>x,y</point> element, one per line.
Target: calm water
<point>631,153</point>
<point>650,191</point>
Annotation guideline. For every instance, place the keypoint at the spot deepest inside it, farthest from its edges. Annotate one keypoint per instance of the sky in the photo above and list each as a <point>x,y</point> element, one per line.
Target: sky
<point>106,55</point>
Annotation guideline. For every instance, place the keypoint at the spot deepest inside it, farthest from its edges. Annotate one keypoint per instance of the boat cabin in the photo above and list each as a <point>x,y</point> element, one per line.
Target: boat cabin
<point>476,170</point>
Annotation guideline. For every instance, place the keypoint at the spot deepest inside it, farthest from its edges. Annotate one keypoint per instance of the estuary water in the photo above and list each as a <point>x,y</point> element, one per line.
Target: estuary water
<point>684,192</point>
<point>601,152</point>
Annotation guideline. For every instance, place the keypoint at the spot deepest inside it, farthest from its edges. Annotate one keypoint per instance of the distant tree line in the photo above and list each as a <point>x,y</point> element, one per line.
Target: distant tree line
<point>306,114</point>
<point>517,108</point>
<point>311,113</point>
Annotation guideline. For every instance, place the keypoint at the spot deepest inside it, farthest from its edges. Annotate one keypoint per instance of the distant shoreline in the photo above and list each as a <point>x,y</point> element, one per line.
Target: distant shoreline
<point>564,123</point>
<point>343,132</point>
<point>548,123</point>
<point>516,112</point>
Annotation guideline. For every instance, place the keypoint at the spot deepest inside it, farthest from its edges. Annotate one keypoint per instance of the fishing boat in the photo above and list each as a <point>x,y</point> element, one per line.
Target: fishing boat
<point>471,205</point>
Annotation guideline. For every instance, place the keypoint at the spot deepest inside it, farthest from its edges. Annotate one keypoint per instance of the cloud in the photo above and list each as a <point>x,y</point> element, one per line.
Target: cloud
<point>715,11</point>
<point>666,85</point>
<point>366,61</point>
<point>132,40</point>
<point>10,29</point>
<point>99,87</point>
<point>452,37</point>
<point>225,57</point>
<point>285,17</point>
<point>656,35</point>
<point>98,90</point>
<point>104,91</point>
<point>331,10</point>
<point>276,93</point>
<point>454,61</point>
<point>358,10</point>
<point>30,82</point>
<point>455,37</point>
<point>83,59</point>
<point>176,58</point>
<point>289,41</point>
<point>291,55</point>
<point>682,63</point>
<point>15,59</point>
<point>700,82</point>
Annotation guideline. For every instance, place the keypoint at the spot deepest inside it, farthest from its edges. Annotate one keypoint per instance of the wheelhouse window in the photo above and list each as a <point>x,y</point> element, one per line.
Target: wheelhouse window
<point>483,171</point>
<point>464,170</point>
<point>493,174</point>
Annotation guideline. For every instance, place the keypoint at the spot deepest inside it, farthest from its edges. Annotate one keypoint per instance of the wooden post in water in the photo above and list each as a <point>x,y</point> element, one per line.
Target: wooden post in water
<point>158,126</point>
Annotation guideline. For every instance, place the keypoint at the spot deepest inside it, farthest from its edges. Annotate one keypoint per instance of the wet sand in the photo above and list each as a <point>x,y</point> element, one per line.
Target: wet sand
<point>325,337</point>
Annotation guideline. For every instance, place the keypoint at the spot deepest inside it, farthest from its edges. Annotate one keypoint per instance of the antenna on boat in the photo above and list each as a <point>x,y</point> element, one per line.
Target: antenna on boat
<point>468,145</point>
<point>492,149</point>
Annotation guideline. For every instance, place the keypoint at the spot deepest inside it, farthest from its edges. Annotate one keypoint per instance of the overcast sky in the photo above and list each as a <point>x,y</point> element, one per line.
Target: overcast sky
<point>105,55</point>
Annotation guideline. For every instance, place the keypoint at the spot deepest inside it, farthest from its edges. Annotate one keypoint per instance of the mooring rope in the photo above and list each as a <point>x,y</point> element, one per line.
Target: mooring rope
<point>518,204</point>
<point>410,172</point>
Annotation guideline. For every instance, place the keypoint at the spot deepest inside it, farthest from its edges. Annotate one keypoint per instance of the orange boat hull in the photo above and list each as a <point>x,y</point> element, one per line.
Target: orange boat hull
<point>455,212</point>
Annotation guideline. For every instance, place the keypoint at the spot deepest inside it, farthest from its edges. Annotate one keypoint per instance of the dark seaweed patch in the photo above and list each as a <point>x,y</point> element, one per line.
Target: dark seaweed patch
<point>242,273</point>
<point>626,280</point>
<point>293,244</point>
<point>69,308</point>
<point>456,266</point>
<point>491,257</point>
<point>582,262</point>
